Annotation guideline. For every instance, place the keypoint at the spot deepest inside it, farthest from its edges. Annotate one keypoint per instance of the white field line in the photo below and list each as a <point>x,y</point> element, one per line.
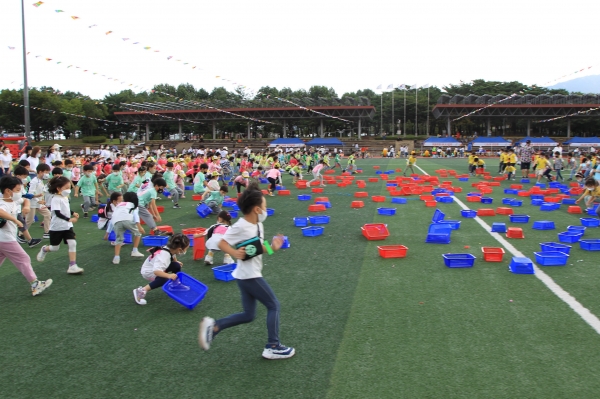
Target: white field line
<point>556,289</point>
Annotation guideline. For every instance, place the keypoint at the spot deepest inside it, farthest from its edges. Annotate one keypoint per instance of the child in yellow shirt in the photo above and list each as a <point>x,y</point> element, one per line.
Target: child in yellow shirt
<point>410,162</point>
<point>543,167</point>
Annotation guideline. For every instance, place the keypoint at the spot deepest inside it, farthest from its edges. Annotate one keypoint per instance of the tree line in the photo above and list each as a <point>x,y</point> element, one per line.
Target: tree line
<point>388,119</point>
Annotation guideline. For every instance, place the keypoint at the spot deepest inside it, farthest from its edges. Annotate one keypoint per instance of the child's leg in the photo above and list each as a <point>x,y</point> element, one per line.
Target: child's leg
<point>13,251</point>
<point>238,186</point>
<point>147,217</point>
<point>72,244</point>
<point>30,218</point>
<point>175,195</point>
<point>86,203</point>
<point>158,282</point>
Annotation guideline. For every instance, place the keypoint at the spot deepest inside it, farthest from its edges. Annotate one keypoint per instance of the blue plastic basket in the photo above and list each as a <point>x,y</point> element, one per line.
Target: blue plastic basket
<point>511,191</point>
<point>301,221</point>
<point>568,201</point>
<point>589,222</point>
<point>577,229</point>
<point>541,185</point>
<point>189,298</point>
<point>270,211</point>
<point>94,219</point>
<point>304,197</point>
<point>459,260</point>
<point>591,212</point>
<point>543,225</point>
<point>322,219</point>
<point>525,181</point>
<point>263,180</point>
<point>551,258</point>
<point>438,238</point>
<point>454,224</point>
<point>521,265</point>
<point>473,194</point>
<point>312,231</point>
<point>233,214</point>
<point>127,238</point>
<point>569,237</point>
<point>189,188</point>
<point>228,204</point>
<point>155,241</point>
<point>398,200</point>
<point>386,211</point>
<point>519,218</point>
<point>499,227</point>
<point>439,228</point>
<point>468,213</point>
<point>516,203</point>
<point>223,273</point>
<point>437,216</point>
<point>326,203</point>
<point>487,200</point>
<point>507,201</point>
<point>463,179</point>
<point>537,202</point>
<point>277,188</point>
<point>203,210</point>
<point>391,184</point>
<point>555,247</point>
<point>445,200</point>
<point>237,208</point>
<point>286,243</point>
<point>549,206</point>
<point>590,245</point>
<point>378,172</point>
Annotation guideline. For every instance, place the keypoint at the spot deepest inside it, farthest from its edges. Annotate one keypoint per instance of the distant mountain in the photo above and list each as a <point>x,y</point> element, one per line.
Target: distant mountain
<point>586,84</point>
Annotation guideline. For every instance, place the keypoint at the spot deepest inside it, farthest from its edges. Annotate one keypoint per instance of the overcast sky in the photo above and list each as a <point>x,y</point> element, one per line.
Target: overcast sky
<point>344,44</point>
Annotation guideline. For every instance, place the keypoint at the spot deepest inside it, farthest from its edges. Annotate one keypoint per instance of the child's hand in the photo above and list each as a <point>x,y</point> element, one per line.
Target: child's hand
<point>173,276</point>
<point>76,195</point>
<point>277,242</point>
<point>25,211</point>
<point>18,223</point>
<point>240,253</point>
<point>141,230</point>
<point>577,201</point>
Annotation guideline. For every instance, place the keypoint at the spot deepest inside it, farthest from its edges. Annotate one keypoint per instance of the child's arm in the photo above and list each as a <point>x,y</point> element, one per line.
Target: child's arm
<point>76,191</point>
<point>140,228</point>
<point>228,249</point>
<point>582,196</point>
<point>160,273</point>
<point>7,216</point>
<point>154,211</point>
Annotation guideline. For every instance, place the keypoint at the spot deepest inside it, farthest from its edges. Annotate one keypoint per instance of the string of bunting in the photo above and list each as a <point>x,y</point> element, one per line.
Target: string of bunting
<point>482,108</point>
<point>110,32</point>
<point>67,113</point>
<point>215,108</point>
<point>159,115</point>
<point>566,116</point>
<point>306,109</point>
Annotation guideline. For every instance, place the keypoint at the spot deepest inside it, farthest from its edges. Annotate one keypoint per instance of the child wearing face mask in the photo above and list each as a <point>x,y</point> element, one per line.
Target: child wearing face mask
<point>11,189</point>
<point>161,266</point>
<point>89,189</point>
<point>5,160</point>
<point>174,190</point>
<point>23,209</point>
<point>147,204</point>
<point>37,187</point>
<point>61,225</point>
<point>248,273</point>
<point>114,180</point>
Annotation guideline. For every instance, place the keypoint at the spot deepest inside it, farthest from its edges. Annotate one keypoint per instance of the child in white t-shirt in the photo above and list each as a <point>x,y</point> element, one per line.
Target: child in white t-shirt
<point>61,225</point>
<point>126,217</point>
<point>12,191</point>
<point>253,287</point>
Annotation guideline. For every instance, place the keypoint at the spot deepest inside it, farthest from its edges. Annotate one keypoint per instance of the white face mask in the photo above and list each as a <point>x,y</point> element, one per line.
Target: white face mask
<point>262,216</point>
<point>46,176</point>
<point>38,155</point>
<point>24,181</point>
<point>65,193</point>
<point>16,196</point>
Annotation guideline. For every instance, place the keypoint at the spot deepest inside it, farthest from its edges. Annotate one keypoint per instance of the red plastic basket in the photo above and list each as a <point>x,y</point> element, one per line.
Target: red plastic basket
<point>492,254</point>
<point>392,251</point>
<point>375,231</point>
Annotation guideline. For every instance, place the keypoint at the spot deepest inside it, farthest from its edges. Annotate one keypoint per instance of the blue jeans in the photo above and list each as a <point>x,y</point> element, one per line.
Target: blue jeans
<point>252,290</point>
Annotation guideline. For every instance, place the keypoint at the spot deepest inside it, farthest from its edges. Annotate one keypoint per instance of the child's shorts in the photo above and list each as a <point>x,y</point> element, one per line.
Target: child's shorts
<point>56,237</point>
<point>540,172</point>
<point>121,227</point>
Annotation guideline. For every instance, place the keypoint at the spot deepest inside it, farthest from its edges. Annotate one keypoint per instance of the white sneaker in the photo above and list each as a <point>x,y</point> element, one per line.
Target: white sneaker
<point>116,260</point>
<point>208,260</point>
<point>205,334</point>
<point>139,294</point>
<point>40,286</point>
<point>74,269</point>
<point>41,255</point>
<point>227,259</point>
<point>274,352</point>
<point>137,254</point>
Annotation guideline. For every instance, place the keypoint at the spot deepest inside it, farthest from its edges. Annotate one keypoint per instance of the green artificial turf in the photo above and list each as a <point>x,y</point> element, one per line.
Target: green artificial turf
<point>362,326</point>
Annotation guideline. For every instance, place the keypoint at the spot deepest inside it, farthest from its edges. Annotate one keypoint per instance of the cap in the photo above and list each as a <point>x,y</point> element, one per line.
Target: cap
<point>171,159</point>
<point>215,173</point>
<point>55,146</point>
<point>245,174</point>
<point>215,157</point>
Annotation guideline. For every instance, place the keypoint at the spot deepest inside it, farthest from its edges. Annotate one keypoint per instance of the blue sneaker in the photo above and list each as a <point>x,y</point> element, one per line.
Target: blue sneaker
<point>274,352</point>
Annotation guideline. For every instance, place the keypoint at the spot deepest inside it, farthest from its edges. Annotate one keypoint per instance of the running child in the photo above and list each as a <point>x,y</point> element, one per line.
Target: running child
<point>37,187</point>
<point>200,179</point>
<point>105,213</point>
<point>161,266</point>
<point>558,165</point>
<point>126,217</point>
<point>114,181</point>
<point>214,235</point>
<point>316,172</point>
<point>24,209</point>
<point>248,273</point>
<point>147,205</point>
<point>410,161</point>
<point>174,191</point>
<point>12,192</point>
<point>61,225</point>
<point>88,185</point>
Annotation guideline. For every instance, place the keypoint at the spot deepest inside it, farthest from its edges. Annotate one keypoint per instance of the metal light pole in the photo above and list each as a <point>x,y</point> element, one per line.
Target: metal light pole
<point>25,85</point>
<point>416,108</point>
<point>404,126</point>
<point>427,110</point>
<point>381,114</point>
<point>393,109</point>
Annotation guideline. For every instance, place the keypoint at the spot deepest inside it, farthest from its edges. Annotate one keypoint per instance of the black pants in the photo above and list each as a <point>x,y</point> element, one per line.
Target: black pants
<point>239,187</point>
<point>158,282</point>
<point>273,184</point>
